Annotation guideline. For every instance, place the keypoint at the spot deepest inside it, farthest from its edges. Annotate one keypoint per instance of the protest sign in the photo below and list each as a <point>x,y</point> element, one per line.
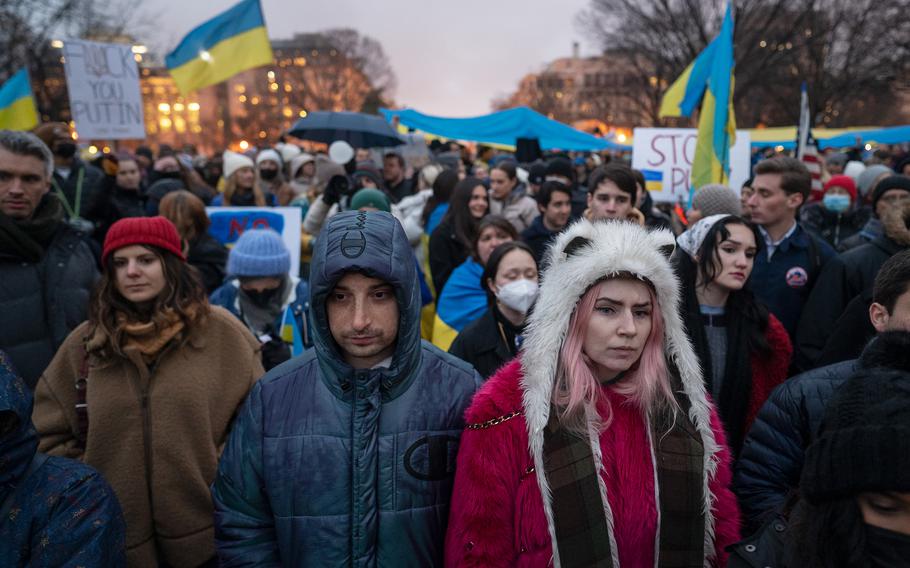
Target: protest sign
<point>103,84</point>
<point>228,223</point>
<point>664,156</point>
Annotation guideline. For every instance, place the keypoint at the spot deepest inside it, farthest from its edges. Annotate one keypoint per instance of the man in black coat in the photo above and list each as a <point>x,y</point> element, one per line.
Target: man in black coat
<point>842,279</point>
<point>771,460</point>
<point>554,201</point>
<point>47,269</point>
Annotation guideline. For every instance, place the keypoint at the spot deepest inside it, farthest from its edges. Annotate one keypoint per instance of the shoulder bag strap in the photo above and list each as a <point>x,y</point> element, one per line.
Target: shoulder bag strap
<point>81,386</point>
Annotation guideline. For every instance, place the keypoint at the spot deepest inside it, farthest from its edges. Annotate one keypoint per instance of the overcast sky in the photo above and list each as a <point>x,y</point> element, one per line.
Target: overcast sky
<point>451,58</point>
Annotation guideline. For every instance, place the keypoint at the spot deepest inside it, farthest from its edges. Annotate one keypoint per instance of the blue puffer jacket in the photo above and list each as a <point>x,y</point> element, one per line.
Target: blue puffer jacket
<point>328,466</point>
<point>771,460</point>
<point>53,511</point>
<point>293,323</point>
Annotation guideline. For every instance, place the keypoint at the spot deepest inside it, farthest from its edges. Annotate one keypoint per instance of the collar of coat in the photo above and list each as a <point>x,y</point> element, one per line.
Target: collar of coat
<point>595,251</point>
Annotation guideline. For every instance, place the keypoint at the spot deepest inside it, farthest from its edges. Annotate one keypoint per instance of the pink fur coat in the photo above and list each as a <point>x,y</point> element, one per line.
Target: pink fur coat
<point>497,516</point>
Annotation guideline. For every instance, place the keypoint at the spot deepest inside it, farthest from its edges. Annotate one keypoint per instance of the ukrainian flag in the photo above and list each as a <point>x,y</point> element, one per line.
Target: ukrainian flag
<point>654,180</point>
<point>711,75</point>
<point>231,42</point>
<point>462,301</point>
<point>17,105</point>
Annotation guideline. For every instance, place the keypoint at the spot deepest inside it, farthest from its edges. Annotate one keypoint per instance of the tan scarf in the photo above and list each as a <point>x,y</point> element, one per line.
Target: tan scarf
<point>149,338</point>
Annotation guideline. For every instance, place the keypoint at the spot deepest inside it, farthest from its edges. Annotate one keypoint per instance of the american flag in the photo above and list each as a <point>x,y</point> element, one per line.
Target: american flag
<point>807,147</point>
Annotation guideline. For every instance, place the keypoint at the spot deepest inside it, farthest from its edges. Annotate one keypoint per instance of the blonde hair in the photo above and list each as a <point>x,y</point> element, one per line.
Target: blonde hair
<point>230,187</point>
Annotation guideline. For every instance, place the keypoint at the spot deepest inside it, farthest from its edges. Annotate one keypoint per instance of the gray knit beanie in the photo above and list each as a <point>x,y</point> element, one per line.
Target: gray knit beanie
<point>716,199</point>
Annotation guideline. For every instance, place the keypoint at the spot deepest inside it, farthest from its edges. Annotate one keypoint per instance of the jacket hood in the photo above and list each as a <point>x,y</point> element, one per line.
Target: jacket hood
<point>18,439</point>
<point>581,256</point>
<point>372,243</point>
<point>888,349</point>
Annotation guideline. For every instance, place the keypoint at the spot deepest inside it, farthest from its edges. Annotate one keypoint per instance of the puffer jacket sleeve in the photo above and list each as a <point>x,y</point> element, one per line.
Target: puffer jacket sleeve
<point>85,526</point>
<point>724,508</point>
<point>771,460</point>
<point>54,412</point>
<point>244,525</point>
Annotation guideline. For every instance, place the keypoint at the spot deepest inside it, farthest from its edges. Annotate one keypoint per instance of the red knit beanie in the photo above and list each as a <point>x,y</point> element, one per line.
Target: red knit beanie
<point>155,231</point>
<point>845,182</point>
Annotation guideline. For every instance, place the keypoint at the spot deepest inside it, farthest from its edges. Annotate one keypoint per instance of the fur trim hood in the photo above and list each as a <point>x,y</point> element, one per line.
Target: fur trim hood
<point>895,220</point>
<point>581,256</point>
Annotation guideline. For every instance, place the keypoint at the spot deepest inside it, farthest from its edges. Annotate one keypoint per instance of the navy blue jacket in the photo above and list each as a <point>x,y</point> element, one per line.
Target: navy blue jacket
<point>53,511</point>
<point>538,237</point>
<point>771,461</point>
<point>784,282</point>
<point>332,466</point>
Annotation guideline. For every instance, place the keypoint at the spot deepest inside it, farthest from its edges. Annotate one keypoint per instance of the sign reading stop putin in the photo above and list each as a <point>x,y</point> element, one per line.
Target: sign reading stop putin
<point>665,155</point>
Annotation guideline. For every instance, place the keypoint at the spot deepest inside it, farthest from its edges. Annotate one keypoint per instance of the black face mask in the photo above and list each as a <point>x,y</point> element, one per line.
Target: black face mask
<point>886,548</point>
<point>156,175</point>
<point>268,175</point>
<point>262,298</point>
<point>65,150</point>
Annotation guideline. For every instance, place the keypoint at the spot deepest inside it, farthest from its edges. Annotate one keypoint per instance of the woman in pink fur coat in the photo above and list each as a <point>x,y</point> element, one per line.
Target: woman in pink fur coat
<point>598,446</point>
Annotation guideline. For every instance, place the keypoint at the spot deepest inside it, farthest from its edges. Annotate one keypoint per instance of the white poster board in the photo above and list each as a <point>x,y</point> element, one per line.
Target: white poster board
<point>103,84</point>
<point>228,223</point>
<point>665,156</point>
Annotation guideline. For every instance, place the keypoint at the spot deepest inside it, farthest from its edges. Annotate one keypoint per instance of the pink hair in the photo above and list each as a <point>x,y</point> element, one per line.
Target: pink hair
<point>577,391</point>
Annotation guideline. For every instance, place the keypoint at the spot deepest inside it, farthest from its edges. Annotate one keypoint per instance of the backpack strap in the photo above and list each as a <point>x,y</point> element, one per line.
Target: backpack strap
<point>81,406</point>
<point>36,463</point>
<point>815,259</point>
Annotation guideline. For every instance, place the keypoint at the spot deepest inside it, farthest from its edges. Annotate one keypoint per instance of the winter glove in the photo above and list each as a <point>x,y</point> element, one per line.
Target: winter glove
<point>336,187</point>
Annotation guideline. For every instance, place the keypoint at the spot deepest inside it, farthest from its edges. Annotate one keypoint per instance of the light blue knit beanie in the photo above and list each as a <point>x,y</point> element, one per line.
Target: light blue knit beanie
<point>257,253</point>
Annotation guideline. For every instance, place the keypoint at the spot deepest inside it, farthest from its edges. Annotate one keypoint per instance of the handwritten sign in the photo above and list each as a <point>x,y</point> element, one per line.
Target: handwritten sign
<point>103,84</point>
<point>228,223</point>
<point>665,157</point>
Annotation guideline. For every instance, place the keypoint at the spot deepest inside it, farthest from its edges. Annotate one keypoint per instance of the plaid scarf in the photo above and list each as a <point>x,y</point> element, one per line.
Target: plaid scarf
<point>583,536</point>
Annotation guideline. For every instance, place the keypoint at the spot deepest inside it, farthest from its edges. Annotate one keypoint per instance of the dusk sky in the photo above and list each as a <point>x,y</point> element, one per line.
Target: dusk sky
<point>450,59</point>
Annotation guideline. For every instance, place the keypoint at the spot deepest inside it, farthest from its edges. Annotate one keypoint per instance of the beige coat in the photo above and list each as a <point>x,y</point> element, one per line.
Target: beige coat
<point>156,436</point>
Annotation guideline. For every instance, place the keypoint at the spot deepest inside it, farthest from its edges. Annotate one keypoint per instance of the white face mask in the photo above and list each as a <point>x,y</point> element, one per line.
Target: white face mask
<point>518,295</point>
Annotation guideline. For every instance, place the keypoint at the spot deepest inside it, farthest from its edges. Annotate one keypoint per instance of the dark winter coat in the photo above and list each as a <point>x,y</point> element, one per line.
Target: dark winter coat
<point>654,217</point>
<point>446,253</point>
<point>771,460</point>
<point>95,194</point>
<point>126,203</point>
<point>210,258</point>
<point>833,227</point>
<point>331,466</point>
<point>484,344</point>
<point>842,279</point>
<point>41,303</point>
<point>55,511</point>
<point>767,548</point>
<point>852,331</point>
<point>538,236</point>
<point>783,283</point>
<point>872,229</point>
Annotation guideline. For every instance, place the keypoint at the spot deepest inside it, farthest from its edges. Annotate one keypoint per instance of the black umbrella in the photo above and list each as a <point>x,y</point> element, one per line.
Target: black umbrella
<point>357,129</point>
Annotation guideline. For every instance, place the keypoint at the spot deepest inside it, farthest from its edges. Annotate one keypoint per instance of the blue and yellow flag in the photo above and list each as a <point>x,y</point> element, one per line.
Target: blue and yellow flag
<point>231,42</point>
<point>17,105</point>
<point>711,75</point>
<point>461,302</point>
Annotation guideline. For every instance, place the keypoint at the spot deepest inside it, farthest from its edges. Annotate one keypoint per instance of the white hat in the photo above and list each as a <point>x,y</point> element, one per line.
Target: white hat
<point>289,152</point>
<point>269,154</point>
<point>298,162</point>
<point>854,168</point>
<point>341,152</point>
<point>233,162</point>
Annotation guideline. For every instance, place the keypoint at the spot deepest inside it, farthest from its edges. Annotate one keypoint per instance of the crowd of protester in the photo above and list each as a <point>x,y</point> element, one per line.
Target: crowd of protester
<point>480,361</point>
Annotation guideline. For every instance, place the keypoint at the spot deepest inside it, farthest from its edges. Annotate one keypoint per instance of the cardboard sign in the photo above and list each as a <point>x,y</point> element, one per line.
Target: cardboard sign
<point>103,84</point>
<point>665,157</point>
<point>228,223</point>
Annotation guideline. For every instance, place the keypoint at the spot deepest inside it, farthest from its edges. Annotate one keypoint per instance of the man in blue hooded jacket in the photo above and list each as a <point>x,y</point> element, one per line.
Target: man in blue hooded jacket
<point>53,511</point>
<point>345,455</point>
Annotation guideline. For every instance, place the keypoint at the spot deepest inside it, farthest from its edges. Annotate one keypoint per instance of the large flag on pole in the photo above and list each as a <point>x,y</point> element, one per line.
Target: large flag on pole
<point>231,42</point>
<point>807,147</point>
<point>708,79</point>
<point>17,104</point>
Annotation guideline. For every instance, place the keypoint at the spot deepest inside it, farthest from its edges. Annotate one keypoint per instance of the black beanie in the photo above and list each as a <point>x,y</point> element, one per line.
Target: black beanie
<point>560,166</point>
<point>864,442</point>
<point>890,182</point>
<point>537,173</point>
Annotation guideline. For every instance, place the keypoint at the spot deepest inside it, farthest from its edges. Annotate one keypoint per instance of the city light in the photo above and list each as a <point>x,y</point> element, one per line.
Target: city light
<point>57,44</point>
<point>620,137</point>
<point>92,149</point>
<point>868,147</point>
<point>137,58</point>
<point>141,49</point>
<point>179,107</point>
<point>302,114</point>
<point>205,56</point>
<point>271,75</point>
<point>194,107</point>
<point>164,107</point>
<point>244,144</point>
<point>778,148</point>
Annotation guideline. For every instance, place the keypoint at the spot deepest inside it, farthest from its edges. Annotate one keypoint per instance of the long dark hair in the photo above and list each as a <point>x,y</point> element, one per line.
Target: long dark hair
<point>442,193</point>
<point>492,266</point>
<point>829,534</point>
<point>747,323</point>
<point>183,294</point>
<point>458,213</point>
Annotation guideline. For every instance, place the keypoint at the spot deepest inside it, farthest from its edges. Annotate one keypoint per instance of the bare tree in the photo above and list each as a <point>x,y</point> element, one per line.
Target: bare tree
<point>852,53</point>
